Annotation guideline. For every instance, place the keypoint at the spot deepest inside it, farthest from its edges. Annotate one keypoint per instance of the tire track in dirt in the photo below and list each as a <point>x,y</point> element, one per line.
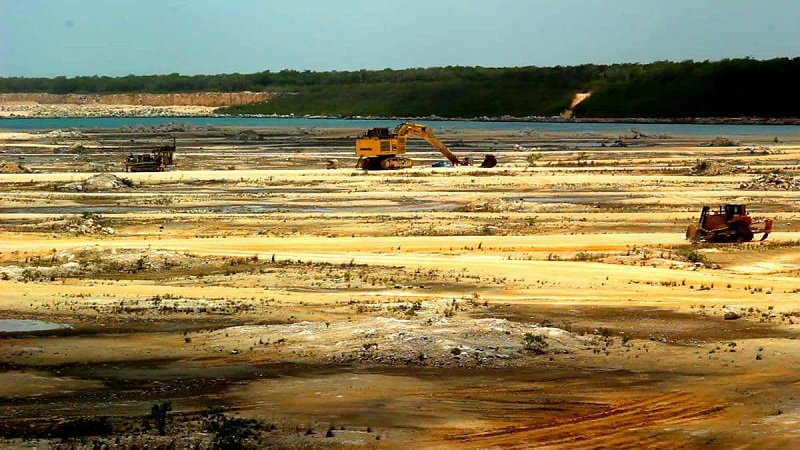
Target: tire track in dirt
<point>620,426</point>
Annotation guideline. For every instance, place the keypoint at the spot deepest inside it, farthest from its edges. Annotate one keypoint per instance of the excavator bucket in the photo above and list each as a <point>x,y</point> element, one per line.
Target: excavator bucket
<point>489,161</point>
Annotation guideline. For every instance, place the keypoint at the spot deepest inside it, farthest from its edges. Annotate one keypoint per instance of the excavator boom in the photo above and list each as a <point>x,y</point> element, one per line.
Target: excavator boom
<point>423,131</point>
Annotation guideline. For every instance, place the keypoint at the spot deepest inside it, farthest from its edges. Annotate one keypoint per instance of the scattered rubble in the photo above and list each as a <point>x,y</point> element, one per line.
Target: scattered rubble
<point>169,127</point>
<point>98,183</point>
<point>493,205</point>
<point>617,143</point>
<point>87,223</point>
<point>307,131</point>
<point>60,134</point>
<point>90,259</point>
<point>333,164</point>
<point>762,150</point>
<point>636,133</point>
<point>40,273</point>
<point>528,132</point>
<point>772,182</point>
<point>522,148</point>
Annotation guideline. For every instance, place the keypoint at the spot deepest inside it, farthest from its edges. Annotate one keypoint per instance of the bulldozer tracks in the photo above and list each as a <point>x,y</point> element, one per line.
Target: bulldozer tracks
<point>621,426</point>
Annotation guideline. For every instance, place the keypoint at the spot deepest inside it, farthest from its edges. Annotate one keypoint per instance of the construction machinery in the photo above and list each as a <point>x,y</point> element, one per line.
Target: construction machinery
<point>729,223</point>
<point>379,148</point>
<point>161,158</point>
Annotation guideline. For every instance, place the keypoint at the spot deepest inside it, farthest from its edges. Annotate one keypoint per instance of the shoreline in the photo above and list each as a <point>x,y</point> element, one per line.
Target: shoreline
<point>73,111</point>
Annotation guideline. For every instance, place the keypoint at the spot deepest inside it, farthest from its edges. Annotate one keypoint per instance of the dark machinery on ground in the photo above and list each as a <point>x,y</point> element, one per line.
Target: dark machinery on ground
<point>160,159</point>
<point>729,223</point>
<point>379,148</point>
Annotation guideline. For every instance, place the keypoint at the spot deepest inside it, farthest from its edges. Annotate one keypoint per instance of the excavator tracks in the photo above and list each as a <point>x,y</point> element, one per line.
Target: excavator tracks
<point>396,163</point>
<point>385,163</point>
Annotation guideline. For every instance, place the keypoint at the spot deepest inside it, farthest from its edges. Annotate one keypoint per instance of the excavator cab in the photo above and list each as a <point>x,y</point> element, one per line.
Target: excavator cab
<point>378,132</point>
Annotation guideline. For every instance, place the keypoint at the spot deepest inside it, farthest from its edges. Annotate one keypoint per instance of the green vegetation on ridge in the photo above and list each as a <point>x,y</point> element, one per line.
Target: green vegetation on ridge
<point>728,88</point>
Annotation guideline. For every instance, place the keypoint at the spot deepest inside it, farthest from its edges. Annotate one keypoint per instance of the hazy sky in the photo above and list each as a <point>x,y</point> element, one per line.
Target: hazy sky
<point>116,37</point>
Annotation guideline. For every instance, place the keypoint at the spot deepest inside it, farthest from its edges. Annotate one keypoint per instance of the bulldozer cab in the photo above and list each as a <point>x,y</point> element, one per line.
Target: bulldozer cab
<point>732,211</point>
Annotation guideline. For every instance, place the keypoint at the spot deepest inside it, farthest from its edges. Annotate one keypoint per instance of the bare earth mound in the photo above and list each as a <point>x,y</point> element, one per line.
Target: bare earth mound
<point>12,167</point>
<point>103,182</point>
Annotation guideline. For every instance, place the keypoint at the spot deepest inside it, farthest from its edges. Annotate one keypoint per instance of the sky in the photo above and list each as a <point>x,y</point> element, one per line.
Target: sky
<point>48,38</point>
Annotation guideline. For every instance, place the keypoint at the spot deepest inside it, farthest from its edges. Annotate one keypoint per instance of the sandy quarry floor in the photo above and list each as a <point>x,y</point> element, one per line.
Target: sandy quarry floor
<point>276,303</point>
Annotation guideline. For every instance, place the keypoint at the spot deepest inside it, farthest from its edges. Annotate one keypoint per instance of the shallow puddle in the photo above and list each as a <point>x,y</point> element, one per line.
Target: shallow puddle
<point>22,325</point>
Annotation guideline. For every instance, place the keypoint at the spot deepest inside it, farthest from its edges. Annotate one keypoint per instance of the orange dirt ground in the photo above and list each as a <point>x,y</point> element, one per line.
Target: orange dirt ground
<point>553,305</point>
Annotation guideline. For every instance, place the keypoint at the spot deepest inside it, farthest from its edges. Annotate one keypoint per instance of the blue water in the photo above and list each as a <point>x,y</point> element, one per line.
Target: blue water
<point>20,325</point>
<point>254,122</point>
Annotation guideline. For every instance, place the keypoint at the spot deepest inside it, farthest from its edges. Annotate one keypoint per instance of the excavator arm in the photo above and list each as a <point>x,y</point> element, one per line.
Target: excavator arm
<point>424,132</point>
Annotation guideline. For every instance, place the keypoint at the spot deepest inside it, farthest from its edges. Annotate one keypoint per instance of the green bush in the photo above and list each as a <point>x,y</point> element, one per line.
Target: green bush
<point>535,343</point>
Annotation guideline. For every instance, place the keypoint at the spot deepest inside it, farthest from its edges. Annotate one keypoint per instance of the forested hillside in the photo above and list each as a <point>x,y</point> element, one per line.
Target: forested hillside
<point>729,88</point>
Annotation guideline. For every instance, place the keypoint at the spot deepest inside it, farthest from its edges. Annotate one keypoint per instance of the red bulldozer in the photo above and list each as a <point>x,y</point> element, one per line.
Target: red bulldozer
<point>729,223</point>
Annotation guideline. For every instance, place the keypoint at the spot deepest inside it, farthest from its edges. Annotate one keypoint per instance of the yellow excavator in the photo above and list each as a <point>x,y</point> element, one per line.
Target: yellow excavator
<point>379,148</point>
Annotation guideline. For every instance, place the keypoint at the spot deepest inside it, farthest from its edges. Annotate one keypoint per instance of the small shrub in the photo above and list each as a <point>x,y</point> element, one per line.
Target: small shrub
<point>701,166</point>
<point>694,256</point>
<point>535,343</point>
<point>532,158</point>
<point>159,414</point>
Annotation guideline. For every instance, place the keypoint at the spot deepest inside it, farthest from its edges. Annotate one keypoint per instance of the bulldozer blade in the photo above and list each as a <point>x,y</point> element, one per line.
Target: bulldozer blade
<point>767,228</point>
<point>692,233</point>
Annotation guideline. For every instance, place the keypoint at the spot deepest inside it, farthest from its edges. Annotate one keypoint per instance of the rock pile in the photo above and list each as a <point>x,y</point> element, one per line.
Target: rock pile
<point>73,134</point>
<point>708,167</point>
<point>720,141</point>
<point>528,132</point>
<point>772,182</point>
<point>87,224</point>
<point>98,183</point>
<point>77,148</point>
<point>12,167</point>
<point>248,135</point>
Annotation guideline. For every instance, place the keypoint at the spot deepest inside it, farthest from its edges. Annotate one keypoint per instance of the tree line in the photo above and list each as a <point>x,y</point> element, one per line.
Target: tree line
<point>731,87</point>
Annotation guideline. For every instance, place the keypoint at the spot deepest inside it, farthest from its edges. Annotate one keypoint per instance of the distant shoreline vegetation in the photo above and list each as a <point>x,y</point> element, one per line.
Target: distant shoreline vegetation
<point>662,90</point>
